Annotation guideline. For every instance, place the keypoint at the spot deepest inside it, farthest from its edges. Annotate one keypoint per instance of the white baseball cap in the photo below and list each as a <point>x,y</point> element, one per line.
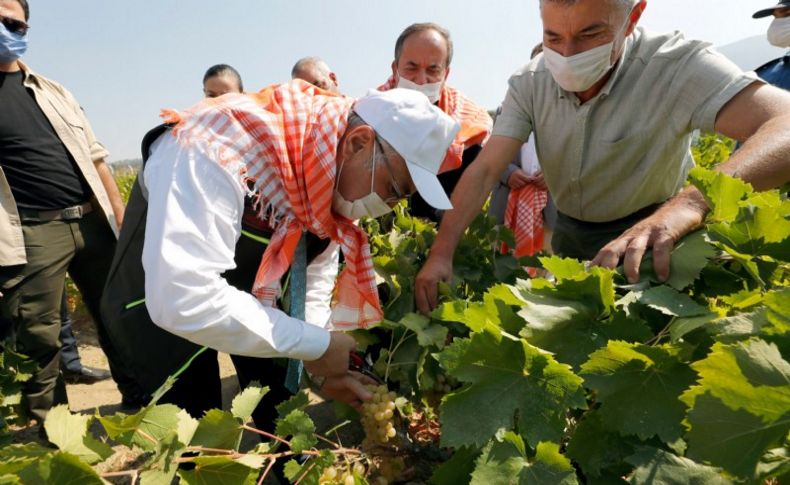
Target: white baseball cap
<point>419,131</point>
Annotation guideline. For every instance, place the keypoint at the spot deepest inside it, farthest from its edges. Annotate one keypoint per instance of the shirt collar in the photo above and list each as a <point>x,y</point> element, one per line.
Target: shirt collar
<point>29,77</point>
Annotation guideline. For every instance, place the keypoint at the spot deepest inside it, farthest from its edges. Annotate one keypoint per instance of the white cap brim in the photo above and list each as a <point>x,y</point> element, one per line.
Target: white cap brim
<point>429,187</point>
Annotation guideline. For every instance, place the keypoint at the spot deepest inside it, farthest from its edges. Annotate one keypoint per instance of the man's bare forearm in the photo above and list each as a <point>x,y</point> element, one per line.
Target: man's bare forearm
<point>471,192</point>
<point>764,159</point>
<point>108,181</point>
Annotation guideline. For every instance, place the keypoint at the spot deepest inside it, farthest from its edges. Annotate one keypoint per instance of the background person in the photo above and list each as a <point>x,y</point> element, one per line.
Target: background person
<point>61,208</point>
<point>423,53</point>
<point>221,79</point>
<point>777,71</point>
<point>316,72</point>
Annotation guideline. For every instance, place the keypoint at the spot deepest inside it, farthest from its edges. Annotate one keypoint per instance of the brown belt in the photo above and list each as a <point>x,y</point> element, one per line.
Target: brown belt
<point>68,214</point>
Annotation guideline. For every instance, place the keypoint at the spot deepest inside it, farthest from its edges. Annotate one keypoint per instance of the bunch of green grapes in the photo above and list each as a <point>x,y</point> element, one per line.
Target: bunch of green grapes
<point>378,416</point>
<point>339,475</point>
<point>443,384</point>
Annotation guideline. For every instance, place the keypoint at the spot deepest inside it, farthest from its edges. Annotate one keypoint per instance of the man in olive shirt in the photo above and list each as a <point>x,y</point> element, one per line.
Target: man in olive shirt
<point>59,212</point>
<point>612,108</point>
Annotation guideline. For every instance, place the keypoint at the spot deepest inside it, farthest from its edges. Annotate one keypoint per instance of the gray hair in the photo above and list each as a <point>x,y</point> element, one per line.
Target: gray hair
<point>423,27</point>
<point>306,62</point>
<point>355,121</point>
<point>621,5</point>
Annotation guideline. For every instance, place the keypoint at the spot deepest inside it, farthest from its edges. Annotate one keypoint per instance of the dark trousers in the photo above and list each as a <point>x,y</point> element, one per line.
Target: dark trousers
<point>582,240</point>
<point>33,298</point>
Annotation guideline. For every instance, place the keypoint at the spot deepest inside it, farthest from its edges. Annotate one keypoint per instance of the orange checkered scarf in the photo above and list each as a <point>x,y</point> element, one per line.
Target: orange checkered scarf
<point>524,216</point>
<point>281,144</point>
<point>475,123</point>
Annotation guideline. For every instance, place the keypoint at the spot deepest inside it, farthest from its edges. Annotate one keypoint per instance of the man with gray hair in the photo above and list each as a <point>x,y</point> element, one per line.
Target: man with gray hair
<point>315,71</point>
<point>612,108</point>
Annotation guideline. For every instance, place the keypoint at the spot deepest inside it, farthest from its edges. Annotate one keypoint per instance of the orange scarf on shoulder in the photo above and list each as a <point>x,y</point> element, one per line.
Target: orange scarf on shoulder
<point>475,122</point>
<point>282,142</point>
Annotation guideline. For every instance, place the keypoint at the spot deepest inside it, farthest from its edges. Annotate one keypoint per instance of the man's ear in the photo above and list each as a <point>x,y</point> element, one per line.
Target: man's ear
<point>358,139</point>
<point>446,73</point>
<point>394,70</point>
<point>333,77</point>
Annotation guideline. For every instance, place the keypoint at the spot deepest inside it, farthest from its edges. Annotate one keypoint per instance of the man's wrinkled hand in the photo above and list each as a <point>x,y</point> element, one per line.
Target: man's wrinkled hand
<point>348,388</point>
<point>334,362</point>
<point>426,285</point>
<point>659,231</point>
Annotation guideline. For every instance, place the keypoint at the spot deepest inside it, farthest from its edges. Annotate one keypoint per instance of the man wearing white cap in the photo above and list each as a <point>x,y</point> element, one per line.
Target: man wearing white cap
<point>311,164</point>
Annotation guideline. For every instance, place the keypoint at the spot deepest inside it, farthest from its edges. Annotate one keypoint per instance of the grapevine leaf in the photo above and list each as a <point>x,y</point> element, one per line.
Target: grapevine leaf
<point>299,400</point>
<point>738,327</point>
<point>70,433</point>
<point>722,192</point>
<point>503,463</point>
<point>671,302</point>
<point>146,427</point>
<point>61,468</point>
<point>574,340</point>
<point>689,257</point>
<point>187,425</point>
<point>161,470</point>
<point>685,325</point>
<point>218,429</point>
<point>596,448</point>
<point>309,471</point>
<point>638,387</point>
<point>427,334</point>
<point>563,268</point>
<point>731,439</point>
<point>458,469</point>
<point>748,375</point>
<point>246,401</point>
<point>300,427</point>
<point>742,299</point>
<point>506,377</point>
<point>219,470</point>
<point>14,458</point>
<point>654,465</point>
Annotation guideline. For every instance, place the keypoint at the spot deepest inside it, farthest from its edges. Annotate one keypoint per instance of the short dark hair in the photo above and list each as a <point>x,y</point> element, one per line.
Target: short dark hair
<point>26,8</point>
<point>223,70</point>
<point>422,27</point>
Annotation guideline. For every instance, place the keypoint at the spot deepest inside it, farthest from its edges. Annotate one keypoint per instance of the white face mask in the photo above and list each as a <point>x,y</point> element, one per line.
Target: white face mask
<point>779,32</point>
<point>371,205</point>
<point>432,90</point>
<point>579,72</point>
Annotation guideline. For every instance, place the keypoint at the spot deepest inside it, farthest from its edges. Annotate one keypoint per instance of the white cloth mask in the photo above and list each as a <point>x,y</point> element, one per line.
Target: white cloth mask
<point>371,205</point>
<point>432,90</point>
<point>779,32</point>
<point>579,72</point>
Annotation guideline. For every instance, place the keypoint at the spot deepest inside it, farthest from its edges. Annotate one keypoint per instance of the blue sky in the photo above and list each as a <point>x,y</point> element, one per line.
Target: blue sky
<point>125,60</point>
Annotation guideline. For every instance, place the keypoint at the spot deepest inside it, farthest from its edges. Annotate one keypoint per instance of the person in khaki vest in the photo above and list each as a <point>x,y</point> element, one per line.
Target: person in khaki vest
<point>59,212</point>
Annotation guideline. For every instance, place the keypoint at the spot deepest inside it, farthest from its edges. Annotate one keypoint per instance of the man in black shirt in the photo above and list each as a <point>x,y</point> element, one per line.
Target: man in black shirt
<point>59,212</point>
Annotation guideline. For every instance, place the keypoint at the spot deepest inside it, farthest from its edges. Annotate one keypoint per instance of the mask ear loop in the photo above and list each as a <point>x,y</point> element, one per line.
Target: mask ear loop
<point>373,176</point>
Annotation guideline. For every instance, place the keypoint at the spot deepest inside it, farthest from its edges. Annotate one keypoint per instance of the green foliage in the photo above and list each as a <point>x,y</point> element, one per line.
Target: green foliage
<point>15,370</point>
<point>682,382</point>
<point>711,149</point>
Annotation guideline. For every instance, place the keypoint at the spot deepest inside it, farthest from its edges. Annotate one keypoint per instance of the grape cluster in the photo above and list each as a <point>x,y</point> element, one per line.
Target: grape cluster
<point>337,475</point>
<point>378,416</point>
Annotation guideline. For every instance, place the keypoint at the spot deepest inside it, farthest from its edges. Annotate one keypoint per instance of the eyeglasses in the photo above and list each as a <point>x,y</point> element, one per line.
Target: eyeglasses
<point>14,26</point>
<point>395,189</point>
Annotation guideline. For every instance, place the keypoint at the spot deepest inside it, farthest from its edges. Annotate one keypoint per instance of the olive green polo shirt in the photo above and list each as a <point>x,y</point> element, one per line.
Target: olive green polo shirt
<point>629,147</point>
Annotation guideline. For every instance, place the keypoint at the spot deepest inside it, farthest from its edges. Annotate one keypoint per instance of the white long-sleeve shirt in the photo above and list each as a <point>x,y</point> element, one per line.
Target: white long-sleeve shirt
<point>194,220</point>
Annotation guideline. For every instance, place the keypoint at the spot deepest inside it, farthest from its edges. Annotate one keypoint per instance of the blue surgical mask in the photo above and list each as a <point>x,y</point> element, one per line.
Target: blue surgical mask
<point>12,46</point>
